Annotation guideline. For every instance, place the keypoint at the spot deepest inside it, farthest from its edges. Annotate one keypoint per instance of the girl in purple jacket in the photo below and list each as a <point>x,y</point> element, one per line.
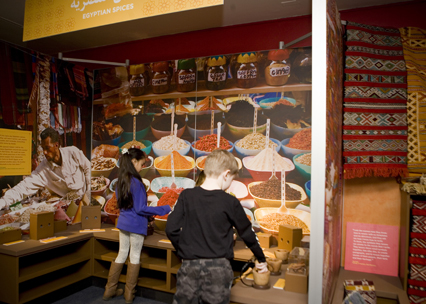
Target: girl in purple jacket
<point>132,222</point>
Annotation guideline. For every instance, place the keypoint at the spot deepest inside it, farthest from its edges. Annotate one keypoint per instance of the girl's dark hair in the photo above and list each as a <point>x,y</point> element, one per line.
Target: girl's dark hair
<point>125,173</point>
<point>200,180</point>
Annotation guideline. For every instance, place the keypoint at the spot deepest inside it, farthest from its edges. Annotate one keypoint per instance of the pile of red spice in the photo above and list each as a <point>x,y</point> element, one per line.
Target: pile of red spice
<point>168,198</point>
<point>165,189</point>
<point>208,143</point>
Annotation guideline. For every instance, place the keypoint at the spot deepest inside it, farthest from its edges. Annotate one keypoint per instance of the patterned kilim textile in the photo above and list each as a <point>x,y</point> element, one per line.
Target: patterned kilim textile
<point>414,43</point>
<point>417,257</point>
<point>375,114</point>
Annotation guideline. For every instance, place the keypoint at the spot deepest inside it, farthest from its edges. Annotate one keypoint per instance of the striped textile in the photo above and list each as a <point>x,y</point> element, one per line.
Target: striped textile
<point>375,122</point>
<point>414,44</point>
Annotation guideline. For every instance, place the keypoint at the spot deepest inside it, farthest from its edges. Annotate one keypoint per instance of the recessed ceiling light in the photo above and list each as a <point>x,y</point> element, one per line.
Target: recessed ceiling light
<point>287,1</point>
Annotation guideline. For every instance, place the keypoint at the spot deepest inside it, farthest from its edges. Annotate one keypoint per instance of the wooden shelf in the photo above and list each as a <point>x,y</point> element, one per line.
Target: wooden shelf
<point>202,92</point>
<point>175,269</point>
<point>54,264</point>
<point>63,281</point>
<point>154,263</point>
<point>148,282</point>
<point>108,256</point>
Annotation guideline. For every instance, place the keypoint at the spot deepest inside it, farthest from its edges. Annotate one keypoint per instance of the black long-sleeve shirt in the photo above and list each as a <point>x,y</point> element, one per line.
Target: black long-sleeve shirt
<point>200,226</point>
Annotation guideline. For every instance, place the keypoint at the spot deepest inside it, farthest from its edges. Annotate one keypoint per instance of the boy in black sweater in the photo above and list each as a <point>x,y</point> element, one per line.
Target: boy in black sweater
<point>201,229</point>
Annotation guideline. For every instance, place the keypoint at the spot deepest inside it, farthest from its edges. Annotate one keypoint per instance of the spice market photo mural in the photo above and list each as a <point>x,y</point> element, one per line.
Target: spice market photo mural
<point>257,105</point>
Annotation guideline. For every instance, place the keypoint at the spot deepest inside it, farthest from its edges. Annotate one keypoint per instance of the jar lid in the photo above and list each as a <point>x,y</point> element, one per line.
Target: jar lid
<point>216,61</point>
<point>137,69</point>
<point>278,54</point>
<point>186,64</point>
<point>247,57</point>
<point>160,66</point>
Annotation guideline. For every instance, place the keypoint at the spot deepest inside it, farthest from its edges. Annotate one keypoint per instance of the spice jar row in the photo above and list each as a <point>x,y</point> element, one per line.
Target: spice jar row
<point>246,69</point>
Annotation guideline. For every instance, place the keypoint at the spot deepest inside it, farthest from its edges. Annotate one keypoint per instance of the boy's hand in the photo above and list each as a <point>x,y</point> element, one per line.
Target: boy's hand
<point>262,267</point>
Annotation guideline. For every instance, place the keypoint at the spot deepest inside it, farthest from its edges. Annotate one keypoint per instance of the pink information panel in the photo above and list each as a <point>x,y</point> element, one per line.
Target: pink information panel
<point>372,248</point>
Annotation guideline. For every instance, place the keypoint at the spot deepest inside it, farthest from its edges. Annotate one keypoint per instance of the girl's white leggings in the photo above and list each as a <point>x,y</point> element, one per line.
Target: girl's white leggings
<point>132,241</point>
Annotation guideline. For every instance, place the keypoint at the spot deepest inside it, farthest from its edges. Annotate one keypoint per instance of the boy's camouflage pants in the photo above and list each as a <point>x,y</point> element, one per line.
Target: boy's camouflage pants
<point>204,281</point>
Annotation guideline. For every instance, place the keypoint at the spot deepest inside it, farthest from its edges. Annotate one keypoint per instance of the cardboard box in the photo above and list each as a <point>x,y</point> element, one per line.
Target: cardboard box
<point>295,282</point>
<point>289,237</point>
<point>10,235</point>
<point>264,239</point>
<point>60,226</point>
<point>91,217</point>
<point>42,225</point>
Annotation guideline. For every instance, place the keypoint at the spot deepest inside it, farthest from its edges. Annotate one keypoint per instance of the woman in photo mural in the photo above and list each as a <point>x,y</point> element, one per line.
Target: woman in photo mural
<point>132,222</point>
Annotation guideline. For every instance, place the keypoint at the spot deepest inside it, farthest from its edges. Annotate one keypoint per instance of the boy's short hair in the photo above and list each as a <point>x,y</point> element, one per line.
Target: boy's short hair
<point>219,161</point>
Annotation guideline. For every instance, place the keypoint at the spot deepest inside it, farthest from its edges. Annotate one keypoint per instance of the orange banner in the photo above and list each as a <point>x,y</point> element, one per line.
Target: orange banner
<point>45,18</point>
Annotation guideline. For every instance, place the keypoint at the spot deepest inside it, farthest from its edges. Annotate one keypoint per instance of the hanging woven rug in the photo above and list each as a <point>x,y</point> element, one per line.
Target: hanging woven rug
<point>375,103</point>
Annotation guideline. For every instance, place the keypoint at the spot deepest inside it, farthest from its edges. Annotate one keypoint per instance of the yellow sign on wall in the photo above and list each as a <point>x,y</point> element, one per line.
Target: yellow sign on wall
<point>45,18</point>
<point>15,156</point>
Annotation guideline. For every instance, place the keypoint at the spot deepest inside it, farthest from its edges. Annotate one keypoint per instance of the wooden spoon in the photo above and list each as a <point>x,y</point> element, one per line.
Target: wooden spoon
<point>283,208</point>
<point>173,185</point>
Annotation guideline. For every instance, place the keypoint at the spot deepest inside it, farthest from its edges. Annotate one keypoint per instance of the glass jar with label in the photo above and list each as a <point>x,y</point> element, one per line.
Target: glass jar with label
<point>160,81</point>
<point>137,80</point>
<point>246,70</point>
<point>186,75</point>
<point>215,73</point>
<point>277,72</point>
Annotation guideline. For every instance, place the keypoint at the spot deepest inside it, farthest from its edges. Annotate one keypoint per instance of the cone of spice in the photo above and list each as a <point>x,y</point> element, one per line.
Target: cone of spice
<point>180,162</point>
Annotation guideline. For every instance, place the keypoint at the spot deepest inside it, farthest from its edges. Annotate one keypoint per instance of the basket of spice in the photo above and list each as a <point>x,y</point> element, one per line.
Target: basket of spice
<point>164,146</point>
<point>303,164</point>
<point>253,144</point>
<point>298,144</point>
<point>260,166</point>
<point>268,193</point>
<point>208,143</point>
<point>183,164</point>
<point>269,220</point>
<point>169,198</point>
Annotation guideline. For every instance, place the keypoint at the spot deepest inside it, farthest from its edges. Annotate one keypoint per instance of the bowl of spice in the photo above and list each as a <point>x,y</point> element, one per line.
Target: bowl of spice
<point>164,146</point>
<point>169,198</point>
<point>145,168</point>
<point>253,144</point>
<point>160,185</point>
<point>269,220</point>
<point>308,188</point>
<point>303,164</point>
<point>161,125</point>
<point>199,125</point>
<point>240,119</point>
<point>201,161</point>
<point>208,143</point>
<point>111,208</point>
<point>98,185</point>
<point>183,164</point>
<point>269,103</point>
<point>102,166</point>
<point>268,193</point>
<point>144,145</point>
<point>143,122</point>
<point>292,148</point>
<point>145,182</point>
<point>260,166</point>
